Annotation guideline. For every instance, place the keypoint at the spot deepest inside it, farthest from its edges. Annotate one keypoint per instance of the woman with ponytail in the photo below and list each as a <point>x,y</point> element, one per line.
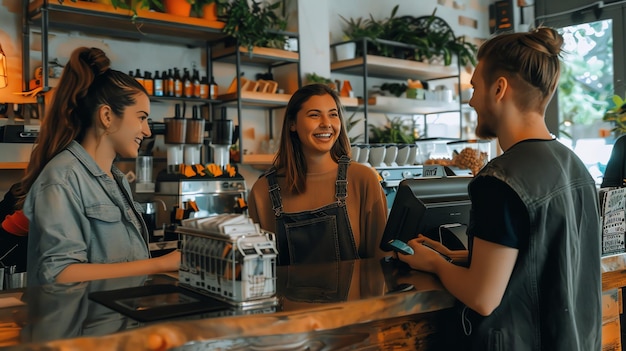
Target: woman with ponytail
<point>83,222</point>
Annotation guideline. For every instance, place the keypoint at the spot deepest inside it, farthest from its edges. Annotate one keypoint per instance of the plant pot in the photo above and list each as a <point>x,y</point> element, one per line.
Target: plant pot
<point>345,51</point>
<point>209,12</point>
<point>131,4</point>
<point>177,7</point>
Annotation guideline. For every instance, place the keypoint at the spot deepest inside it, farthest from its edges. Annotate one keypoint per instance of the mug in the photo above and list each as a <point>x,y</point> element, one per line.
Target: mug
<point>377,155</point>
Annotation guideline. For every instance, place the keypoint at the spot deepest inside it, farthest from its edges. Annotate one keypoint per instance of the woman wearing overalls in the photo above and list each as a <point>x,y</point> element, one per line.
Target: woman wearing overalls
<point>321,206</point>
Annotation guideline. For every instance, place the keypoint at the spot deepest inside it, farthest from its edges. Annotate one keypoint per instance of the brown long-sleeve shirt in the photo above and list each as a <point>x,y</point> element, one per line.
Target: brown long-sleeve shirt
<point>366,204</point>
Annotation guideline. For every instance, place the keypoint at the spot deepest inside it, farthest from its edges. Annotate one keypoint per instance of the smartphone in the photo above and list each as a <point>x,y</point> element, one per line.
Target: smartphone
<point>400,246</point>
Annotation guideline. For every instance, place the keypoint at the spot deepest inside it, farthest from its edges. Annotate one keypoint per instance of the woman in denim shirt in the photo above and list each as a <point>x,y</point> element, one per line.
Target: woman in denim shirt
<point>84,224</point>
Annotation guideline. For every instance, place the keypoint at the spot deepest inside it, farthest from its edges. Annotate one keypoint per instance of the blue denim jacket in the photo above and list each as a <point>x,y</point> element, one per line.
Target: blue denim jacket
<point>78,214</point>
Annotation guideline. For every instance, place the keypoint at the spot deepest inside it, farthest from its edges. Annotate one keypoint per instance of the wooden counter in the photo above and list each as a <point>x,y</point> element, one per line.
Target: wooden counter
<point>351,304</point>
<point>613,280</point>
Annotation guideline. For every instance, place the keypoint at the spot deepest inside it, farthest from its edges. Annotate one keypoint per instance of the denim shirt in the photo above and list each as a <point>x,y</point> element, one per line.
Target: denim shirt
<point>78,214</point>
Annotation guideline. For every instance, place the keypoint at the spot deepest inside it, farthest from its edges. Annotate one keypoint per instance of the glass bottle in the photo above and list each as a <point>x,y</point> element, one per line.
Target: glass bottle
<point>213,88</point>
<point>196,83</point>
<point>187,84</point>
<point>138,76</point>
<point>148,82</point>
<point>204,88</point>
<point>170,83</point>
<point>178,83</point>
<point>158,84</point>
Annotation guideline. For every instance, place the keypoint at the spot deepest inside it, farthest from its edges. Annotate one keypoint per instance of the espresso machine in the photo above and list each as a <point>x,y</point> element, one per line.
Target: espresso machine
<point>203,194</point>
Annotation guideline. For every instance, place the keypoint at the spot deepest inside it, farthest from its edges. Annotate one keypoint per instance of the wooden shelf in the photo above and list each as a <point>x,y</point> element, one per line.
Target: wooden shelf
<point>349,101</point>
<point>413,106</point>
<point>387,67</point>
<point>260,56</point>
<point>103,19</point>
<point>258,159</point>
<point>15,155</point>
<point>13,165</point>
<point>261,162</point>
<point>253,98</point>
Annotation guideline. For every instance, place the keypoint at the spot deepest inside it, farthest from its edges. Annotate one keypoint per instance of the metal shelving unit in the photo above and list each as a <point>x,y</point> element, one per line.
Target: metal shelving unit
<point>372,66</point>
<point>99,19</point>
<point>267,58</point>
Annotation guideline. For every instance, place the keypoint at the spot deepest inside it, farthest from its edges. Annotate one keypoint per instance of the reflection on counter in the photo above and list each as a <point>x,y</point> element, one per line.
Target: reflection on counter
<point>336,305</point>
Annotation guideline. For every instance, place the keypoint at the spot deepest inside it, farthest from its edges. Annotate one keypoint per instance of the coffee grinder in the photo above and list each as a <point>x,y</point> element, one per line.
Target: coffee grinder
<point>175,137</point>
<point>221,140</point>
<point>209,194</point>
<point>193,138</point>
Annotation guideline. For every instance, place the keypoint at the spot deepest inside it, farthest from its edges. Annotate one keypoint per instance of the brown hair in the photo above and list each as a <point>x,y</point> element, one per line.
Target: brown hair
<point>86,84</point>
<point>531,62</point>
<point>290,157</point>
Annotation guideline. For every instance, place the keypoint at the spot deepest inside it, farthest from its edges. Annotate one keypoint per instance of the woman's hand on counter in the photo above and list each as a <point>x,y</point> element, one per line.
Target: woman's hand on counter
<point>168,262</point>
<point>78,272</point>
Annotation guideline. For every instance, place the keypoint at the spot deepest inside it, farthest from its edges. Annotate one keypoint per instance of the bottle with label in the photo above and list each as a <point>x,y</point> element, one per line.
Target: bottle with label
<point>196,83</point>
<point>170,83</point>
<point>148,82</point>
<point>178,83</point>
<point>204,88</point>
<point>213,89</point>
<point>158,84</point>
<point>164,77</point>
<point>187,84</point>
<point>138,76</point>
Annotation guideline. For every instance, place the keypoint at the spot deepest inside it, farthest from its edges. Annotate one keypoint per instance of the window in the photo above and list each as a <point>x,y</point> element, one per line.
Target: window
<point>585,88</point>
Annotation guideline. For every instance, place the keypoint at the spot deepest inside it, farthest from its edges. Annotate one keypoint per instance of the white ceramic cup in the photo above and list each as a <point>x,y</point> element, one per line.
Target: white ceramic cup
<point>403,154</point>
<point>390,155</point>
<point>364,153</point>
<point>412,156</point>
<point>377,155</point>
<point>355,150</point>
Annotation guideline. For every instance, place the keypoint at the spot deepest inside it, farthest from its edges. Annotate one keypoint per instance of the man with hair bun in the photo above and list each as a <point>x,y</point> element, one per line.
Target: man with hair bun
<point>533,281</point>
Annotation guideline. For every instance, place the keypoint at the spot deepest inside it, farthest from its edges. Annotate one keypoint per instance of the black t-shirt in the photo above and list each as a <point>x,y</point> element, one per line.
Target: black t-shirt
<point>498,214</point>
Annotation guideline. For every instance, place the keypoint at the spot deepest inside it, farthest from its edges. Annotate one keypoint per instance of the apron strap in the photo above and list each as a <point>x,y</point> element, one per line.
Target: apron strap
<point>274,189</point>
<point>341,185</point>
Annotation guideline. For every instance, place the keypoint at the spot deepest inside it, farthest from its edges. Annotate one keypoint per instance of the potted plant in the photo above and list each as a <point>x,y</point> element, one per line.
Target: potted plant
<point>617,115</point>
<point>440,42</point>
<point>355,29</point>
<point>207,9</point>
<point>395,131</point>
<point>133,5</point>
<point>254,24</point>
<point>430,37</point>
<point>175,7</point>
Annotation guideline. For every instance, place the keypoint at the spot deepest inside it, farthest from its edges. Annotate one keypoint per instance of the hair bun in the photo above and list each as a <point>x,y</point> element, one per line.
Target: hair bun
<point>96,59</point>
<point>549,38</point>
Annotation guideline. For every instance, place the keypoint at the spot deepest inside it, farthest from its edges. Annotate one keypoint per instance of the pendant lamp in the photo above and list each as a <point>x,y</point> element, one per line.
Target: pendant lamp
<point>4,72</point>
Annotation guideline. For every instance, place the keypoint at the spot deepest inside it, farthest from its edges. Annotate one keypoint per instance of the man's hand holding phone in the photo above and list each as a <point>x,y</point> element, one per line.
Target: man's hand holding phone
<point>401,247</point>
